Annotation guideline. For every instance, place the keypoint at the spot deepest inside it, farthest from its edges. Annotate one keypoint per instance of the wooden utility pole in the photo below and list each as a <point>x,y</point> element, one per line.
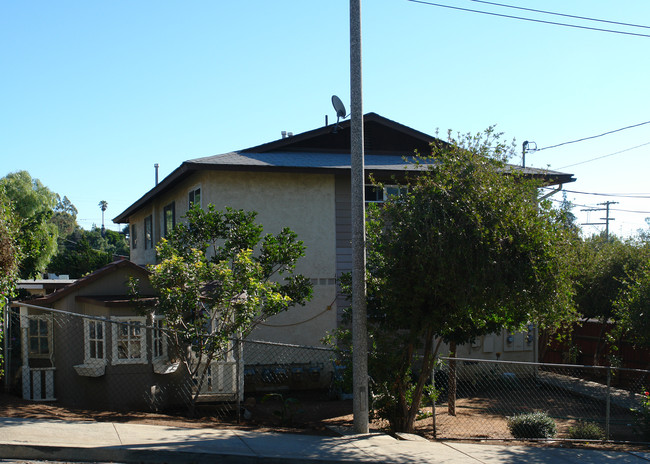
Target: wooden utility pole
<point>606,218</point>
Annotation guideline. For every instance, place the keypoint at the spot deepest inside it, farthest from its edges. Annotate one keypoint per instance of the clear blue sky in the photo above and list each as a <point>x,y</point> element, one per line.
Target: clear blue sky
<point>93,93</point>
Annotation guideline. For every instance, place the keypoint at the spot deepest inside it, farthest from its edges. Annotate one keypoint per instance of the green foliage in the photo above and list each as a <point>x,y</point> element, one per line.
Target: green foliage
<point>632,307</point>
<point>532,425</point>
<point>585,430</point>
<point>85,251</point>
<point>34,206</point>
<point>467,251</point>
<point>213,287</point>
<point>644,410</point>
<point>289,407</point>
<point>10,255</point>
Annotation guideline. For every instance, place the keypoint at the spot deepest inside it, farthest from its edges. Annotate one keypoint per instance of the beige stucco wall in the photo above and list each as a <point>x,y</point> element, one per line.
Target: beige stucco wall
<point>302,202</point>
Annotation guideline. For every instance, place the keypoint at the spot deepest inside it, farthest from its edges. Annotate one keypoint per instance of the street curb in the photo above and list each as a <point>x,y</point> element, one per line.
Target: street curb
<point>154,456</point>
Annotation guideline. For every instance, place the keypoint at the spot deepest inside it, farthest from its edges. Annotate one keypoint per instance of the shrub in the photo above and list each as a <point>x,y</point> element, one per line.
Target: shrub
<point>532,425</point>
<point>586,431</point>
<point>645,413</point>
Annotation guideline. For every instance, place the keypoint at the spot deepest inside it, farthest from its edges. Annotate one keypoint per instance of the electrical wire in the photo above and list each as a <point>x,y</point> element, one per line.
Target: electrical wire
<point>604,156</point>
<point>529,19</point>
<point>594,136</point>
<point>561,14</point>
<point>620,195</point>
<point>599,209</point>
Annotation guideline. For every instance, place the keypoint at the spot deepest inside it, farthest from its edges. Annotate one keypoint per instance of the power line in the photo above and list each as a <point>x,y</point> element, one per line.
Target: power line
<point>620,195</point>
<point>593,136</point>
<point>575,205</point>
<point>561,14</point>
<point>604,156</point>
<point>529,19</point>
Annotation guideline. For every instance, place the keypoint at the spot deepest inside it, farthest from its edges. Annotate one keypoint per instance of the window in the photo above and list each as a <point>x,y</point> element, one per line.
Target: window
<point>194,197</point>
<point>159,339</point>
<point>95,341</point>
<point>376,194</point>
<point>133,230</point>
<point>148,233</point>
<point>39,334</point>
<point>129,342</point>
<point>168,218</point>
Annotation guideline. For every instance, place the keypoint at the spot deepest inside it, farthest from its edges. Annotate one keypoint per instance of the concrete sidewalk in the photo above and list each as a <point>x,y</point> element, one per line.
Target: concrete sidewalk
<point>118,442</point>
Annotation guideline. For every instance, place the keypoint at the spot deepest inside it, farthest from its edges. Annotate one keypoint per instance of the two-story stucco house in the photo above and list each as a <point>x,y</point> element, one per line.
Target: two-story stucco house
<point>301,182</point>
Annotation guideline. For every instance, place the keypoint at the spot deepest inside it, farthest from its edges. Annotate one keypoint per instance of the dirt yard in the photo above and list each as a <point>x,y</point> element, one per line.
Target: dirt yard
<point>309,414</point>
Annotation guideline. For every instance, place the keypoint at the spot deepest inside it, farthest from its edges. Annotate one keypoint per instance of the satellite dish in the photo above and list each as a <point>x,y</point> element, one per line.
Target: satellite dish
<point>338,107</point>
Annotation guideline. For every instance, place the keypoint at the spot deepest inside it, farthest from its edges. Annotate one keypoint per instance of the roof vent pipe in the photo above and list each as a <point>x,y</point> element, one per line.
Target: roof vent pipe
<point>155,166</point>
<point>284,134</point>
<point>289,134</point>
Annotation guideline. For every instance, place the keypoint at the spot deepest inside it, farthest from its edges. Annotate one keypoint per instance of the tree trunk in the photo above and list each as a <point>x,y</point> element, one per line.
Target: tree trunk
<point>451,401</point>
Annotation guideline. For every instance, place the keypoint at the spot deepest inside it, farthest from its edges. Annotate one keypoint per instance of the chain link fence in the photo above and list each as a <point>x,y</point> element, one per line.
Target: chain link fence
<point>127,363</point>
<point>487,393</point>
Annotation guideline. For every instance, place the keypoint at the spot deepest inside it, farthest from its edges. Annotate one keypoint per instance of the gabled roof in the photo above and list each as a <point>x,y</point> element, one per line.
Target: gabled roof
<point>84,281</point>
<point>324,150</point>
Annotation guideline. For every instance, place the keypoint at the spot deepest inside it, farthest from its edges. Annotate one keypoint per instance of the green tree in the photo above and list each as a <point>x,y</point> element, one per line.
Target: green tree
<point>606,269</point>
<point>9,260</point>
<point>64,217</point>
<point>632,307</point>
<point>84,251</point>
<point>212,287</point>
<point>466,252</point>
<point>34,206</point>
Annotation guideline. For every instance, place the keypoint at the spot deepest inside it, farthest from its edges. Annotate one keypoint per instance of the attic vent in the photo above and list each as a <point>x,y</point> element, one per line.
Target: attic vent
<point>286,134</point>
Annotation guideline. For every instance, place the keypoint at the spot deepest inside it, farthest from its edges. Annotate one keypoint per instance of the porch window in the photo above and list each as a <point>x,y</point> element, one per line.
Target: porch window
<point>159,339</point>
<point>129,342</point>
<point>40,336</point>
<point>94,332</point>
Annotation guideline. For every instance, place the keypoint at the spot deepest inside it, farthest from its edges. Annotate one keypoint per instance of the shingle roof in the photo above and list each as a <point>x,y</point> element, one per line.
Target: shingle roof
<point>324,150</point>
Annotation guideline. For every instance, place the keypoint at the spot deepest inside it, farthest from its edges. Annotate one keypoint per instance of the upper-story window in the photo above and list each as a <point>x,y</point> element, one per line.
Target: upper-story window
<point>148,232</point>
<point>133,231</point>
<point>194,197</point>
<point>376,194</point>
<point>169,219</point>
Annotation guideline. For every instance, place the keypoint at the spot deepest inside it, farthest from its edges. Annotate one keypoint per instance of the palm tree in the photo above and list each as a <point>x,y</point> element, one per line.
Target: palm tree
<point>103,205</point>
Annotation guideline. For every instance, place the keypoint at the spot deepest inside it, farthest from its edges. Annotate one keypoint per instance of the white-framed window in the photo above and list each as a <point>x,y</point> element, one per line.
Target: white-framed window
<point>129,340</point>
<point>194,197</point>
<point>377,194</point>
<point>95,341</point>
<point>159,339</point>
<point>39,334</point>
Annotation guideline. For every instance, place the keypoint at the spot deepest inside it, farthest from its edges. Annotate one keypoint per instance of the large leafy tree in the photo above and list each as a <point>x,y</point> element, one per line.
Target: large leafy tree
<point>85,251</point>
<point>218,277</point>
<point>609,270</point>
<point>34,205</point>
<point>9,260</point>
<point>467,251</point>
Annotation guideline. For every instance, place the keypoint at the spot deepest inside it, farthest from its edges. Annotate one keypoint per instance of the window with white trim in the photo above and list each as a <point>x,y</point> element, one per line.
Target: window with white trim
<point>95,340</point>
<point>129,341</point>
<point>159,339</point>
